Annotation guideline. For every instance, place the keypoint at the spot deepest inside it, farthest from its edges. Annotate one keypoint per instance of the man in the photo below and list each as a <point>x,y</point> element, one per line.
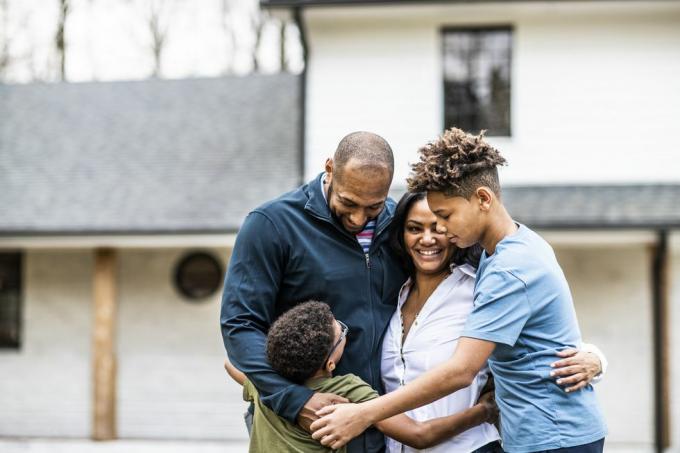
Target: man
<point>523,315</point>
<point>326,240</point>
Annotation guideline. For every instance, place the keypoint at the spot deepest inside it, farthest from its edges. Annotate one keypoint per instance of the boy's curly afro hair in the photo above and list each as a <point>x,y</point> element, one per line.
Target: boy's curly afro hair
<point>300,339</point>
<point>457,163</point>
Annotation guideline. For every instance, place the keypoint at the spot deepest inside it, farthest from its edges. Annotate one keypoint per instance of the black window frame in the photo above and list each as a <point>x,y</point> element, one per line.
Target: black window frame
<point>184,260</point>
<point>16,259</point>
<point>478,29</point>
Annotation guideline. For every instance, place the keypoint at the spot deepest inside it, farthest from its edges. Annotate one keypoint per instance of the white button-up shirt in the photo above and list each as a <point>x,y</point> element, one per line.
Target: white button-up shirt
<point>431,340</point>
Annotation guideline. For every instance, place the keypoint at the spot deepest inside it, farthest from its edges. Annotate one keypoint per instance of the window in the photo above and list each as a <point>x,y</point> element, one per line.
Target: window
<point>10,300</point>
<point>198,275</point>
<point>477,79</point>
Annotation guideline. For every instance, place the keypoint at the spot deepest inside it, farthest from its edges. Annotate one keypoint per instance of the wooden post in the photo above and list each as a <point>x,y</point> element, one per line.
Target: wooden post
<point>103,342</point>
<point>660,297</point>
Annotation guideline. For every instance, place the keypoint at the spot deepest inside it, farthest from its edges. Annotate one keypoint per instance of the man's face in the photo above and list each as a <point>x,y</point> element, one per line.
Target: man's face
<point>458,217</point>
<point>357,196</point>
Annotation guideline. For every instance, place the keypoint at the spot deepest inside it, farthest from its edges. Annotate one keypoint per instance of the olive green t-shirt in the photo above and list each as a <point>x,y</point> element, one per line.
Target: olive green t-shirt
<point>272,433</point>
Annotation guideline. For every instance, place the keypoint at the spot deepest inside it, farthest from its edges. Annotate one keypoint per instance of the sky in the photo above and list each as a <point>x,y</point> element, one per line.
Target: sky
<point>110,40</point>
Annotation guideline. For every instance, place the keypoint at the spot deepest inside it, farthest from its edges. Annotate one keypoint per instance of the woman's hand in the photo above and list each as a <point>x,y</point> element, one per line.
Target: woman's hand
<point>576,369</point>
<point>339,424</point>
<point>488,401</point>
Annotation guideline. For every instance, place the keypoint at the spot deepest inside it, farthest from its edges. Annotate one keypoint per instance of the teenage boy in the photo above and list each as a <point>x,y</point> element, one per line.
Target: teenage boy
<point>304,345</point>
<point>523,314</point>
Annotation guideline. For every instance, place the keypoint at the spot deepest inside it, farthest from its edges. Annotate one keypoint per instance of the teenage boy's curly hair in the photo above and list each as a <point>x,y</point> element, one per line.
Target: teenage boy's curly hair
<point>457,163</point>
<point>300,339</point>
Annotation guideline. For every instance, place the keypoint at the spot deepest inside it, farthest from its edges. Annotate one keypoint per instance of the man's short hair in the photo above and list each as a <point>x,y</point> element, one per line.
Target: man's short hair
<point>457,163</point>
<point>370,149</point>
<point>300,339</point>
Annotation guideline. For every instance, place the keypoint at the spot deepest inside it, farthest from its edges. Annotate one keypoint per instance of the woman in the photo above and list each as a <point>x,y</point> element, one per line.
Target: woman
<point>431,312</point>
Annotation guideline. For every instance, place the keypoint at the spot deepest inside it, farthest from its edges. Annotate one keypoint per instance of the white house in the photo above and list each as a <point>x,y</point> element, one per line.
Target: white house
<point>583,99</point>
<point>120,203</point>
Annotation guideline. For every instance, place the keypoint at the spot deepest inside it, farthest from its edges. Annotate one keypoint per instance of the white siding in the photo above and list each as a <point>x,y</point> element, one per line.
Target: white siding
<point>613,302</point>
<point>594,88</point>
<point>171,383</point>
<point>46,386</point>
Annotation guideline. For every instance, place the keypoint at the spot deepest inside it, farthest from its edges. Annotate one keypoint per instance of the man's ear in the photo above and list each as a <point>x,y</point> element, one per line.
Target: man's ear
<point>485,197</point>
<point>329,169</point>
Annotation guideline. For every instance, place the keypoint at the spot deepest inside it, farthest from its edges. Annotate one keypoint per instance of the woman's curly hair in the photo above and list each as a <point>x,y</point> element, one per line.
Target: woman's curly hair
<point>300,339</point>
<point>457,163</point>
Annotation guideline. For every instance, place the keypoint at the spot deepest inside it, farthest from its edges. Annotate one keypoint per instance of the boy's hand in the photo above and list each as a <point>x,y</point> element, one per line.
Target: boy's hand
<point>576,370</point>
<point>308,415</point>
<point>339,424</point>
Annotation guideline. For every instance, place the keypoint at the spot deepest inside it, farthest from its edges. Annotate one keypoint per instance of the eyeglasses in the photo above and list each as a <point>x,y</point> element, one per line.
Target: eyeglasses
<point>343,334</point>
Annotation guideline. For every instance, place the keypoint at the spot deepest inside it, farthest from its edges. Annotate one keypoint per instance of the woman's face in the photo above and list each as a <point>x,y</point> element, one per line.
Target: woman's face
<point>429,250</point>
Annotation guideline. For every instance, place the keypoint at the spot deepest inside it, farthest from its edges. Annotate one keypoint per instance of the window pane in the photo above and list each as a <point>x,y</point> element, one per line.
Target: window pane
<point>477,80</point>
<point>10,300</point>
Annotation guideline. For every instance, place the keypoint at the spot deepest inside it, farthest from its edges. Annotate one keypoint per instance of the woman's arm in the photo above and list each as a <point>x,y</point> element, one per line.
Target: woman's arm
<point>343,422</point>
<point>421,435</point>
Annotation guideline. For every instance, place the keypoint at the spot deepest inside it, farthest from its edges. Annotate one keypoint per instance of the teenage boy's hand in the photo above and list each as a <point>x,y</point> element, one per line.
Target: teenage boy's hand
<point>308,415</point>
<point>339,424</point>
<point>576,370</point>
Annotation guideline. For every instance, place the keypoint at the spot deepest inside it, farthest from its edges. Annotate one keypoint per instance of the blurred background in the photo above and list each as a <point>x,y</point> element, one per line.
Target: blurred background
<point>135,135</point>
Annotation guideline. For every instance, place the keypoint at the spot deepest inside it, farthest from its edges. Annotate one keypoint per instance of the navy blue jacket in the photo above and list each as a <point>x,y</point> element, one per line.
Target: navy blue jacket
<point>291,250</point>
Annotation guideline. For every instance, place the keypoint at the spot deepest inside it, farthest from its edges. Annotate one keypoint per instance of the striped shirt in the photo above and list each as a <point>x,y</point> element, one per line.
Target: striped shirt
<point>366,236</point>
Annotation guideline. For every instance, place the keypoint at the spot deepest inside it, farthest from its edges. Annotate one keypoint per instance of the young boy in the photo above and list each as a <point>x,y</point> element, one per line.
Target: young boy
<point>304,345</point>
<point>523,315</point>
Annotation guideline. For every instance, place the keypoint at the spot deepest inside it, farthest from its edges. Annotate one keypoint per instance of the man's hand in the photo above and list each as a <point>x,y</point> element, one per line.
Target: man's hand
<point>339,424</point>
<point>576,369</point>
<point>488,401</point>
<point>308,414</point>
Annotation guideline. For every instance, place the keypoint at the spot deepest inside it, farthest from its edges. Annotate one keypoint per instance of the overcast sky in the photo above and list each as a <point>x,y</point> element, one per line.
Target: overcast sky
<point>110,39</point>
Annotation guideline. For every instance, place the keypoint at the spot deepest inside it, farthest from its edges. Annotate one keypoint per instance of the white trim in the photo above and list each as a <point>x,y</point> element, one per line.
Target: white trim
<point>123,241</point>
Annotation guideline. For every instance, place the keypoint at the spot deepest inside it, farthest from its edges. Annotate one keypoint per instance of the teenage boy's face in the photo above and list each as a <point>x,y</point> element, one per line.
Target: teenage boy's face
<point>336,355</point>
<point>459,218</point>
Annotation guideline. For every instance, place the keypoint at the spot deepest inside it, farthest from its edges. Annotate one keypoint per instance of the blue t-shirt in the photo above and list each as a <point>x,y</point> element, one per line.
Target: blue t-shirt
<point>523,304</point>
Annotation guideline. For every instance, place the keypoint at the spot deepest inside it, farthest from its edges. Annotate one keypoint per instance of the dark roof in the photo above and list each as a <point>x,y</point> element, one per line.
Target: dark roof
<point>189,155</point>
<point>594,206</point>
<point>302,3</point>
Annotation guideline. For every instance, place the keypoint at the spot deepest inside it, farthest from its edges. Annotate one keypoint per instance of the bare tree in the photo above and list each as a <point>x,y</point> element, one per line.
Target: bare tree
<point>4,37</point>
<point>228,28</point>
<point>59,38</point>
<point>158,30</point>
<point>257,20</point>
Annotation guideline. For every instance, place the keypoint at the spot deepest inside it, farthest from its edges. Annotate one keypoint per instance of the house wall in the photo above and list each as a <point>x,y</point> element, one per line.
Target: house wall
<point>588,79</point>
<point>674,340</point>
<point>46,386</point>
<point>171,383</point>
<point>612,295</point>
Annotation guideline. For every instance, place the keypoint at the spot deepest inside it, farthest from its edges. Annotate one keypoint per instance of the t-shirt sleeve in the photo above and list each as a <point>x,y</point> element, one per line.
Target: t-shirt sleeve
<point>249,391</point>
<point>358,391</point>
<point>501,309</point>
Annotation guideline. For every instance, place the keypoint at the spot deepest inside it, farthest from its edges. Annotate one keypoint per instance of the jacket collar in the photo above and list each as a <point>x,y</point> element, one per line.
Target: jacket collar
<point>318,207</point>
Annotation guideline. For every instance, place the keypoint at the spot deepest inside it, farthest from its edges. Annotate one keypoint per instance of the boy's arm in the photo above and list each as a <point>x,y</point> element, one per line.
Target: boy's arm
<point>421,435</point>
<point>343,422</point>
<point>235,374</point>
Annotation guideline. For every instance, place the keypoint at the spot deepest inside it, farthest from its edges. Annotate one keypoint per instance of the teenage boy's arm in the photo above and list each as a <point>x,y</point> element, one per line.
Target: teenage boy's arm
<point>251,287</point>
<point>421,435</point>
<point>341,423</point>
<point>234,373</point>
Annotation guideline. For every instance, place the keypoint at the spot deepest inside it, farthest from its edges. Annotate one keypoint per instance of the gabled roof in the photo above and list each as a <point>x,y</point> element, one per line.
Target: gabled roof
<point>152,156</point>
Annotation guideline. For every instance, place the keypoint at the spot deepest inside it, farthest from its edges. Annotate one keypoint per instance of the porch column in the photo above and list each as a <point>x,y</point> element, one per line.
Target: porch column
<point>103,345</point>
<point>660,298</point>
